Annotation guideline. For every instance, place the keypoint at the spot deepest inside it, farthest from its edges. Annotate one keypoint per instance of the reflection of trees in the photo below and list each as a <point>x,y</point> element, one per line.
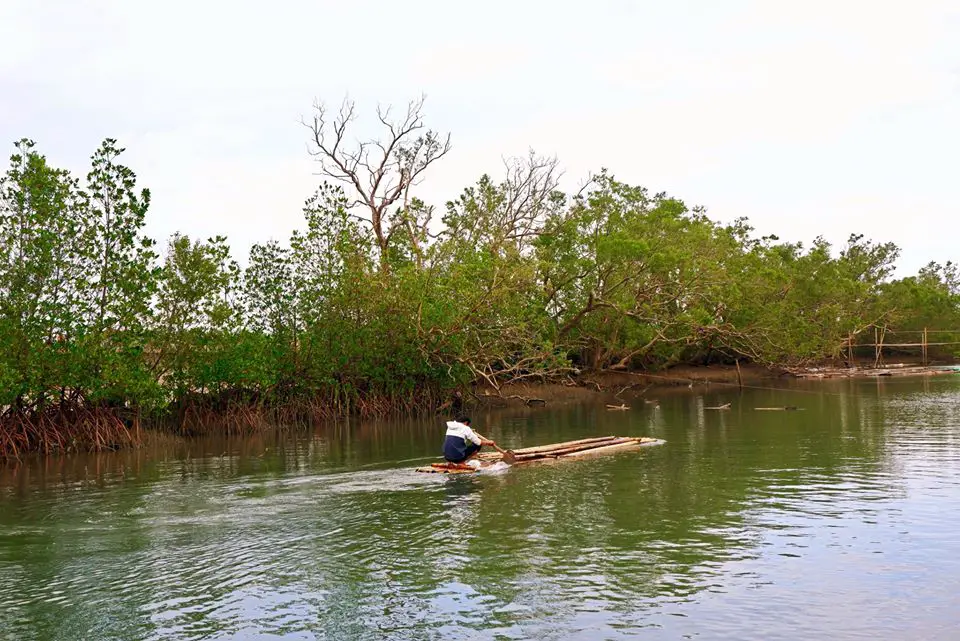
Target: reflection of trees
<point>319,530</point>
<point>643,528</point>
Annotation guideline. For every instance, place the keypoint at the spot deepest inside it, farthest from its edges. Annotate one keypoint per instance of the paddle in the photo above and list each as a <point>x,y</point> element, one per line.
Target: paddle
<point>508,456</point>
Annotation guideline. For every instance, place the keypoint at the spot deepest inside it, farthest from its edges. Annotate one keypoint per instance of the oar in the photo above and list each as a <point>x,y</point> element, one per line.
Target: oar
<point>508,456</point>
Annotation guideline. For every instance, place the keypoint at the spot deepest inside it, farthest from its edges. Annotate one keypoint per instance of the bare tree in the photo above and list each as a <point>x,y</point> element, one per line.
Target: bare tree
<point>529,189</point>
<point>380,171</point>
<point>511,212</point>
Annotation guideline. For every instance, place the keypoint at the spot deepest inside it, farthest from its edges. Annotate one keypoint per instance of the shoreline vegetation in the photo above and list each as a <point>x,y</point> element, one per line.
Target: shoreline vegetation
<point>385,304</point>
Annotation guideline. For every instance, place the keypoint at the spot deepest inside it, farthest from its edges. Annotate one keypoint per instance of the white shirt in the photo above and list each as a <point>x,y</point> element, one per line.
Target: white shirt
<point>463,431</point>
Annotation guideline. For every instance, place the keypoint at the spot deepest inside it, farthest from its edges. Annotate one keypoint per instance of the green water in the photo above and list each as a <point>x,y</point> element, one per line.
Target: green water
<point>837,521</point>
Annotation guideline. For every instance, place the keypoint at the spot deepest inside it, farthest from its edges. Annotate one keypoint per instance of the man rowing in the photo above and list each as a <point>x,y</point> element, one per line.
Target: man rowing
<point>462,444</point>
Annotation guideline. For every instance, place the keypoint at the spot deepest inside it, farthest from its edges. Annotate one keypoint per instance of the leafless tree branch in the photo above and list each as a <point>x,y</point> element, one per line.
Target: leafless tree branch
<point>380,171</point>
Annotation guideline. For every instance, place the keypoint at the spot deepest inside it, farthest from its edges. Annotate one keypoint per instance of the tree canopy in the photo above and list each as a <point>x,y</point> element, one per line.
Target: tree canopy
<point>383,302</point>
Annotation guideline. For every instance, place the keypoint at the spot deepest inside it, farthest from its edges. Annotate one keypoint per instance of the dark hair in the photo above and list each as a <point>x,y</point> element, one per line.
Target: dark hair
<point>463,419</point>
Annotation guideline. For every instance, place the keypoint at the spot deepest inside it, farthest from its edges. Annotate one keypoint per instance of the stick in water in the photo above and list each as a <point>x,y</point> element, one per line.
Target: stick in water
<point>508,456</point>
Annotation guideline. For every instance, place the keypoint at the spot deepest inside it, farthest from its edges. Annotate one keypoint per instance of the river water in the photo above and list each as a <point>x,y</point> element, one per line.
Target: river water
<point>840,520</point>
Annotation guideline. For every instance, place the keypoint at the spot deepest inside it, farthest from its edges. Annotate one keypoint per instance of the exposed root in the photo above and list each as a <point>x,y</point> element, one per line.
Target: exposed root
<point>66,428</point>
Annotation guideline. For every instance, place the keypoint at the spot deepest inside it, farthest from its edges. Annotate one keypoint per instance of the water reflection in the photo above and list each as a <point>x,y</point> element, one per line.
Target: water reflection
<point>743,516</point>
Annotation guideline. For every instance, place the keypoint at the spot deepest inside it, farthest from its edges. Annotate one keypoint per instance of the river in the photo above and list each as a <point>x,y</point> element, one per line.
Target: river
<point>839,520</point>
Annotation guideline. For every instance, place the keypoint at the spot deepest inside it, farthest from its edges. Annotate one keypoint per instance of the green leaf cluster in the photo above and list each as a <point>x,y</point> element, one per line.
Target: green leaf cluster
<point>515,280</point>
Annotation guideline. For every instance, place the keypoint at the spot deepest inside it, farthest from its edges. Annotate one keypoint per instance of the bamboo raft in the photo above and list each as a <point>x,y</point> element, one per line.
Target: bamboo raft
<point>542,453</point>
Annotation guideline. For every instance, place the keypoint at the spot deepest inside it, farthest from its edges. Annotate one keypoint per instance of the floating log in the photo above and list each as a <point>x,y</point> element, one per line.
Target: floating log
<point>725,406</point>
<point>778,409</point>
<point>618,407</point>
<point>543,453</point>
<point>528,401</point>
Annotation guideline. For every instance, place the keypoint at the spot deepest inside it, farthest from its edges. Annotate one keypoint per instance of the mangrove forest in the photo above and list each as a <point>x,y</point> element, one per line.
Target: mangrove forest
<point>381,302</point>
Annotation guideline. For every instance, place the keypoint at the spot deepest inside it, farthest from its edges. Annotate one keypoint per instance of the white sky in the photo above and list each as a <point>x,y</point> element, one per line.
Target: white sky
<point>814,117</point>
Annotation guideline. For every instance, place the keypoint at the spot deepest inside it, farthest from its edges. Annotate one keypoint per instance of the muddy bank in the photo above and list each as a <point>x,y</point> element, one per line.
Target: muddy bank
<point>618,387</point>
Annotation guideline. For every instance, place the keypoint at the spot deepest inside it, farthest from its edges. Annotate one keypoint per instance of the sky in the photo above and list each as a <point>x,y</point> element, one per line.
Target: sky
<point>808,118</point>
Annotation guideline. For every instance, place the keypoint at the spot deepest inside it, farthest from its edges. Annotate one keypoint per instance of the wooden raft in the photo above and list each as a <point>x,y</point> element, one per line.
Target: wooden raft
<point>541,453</point>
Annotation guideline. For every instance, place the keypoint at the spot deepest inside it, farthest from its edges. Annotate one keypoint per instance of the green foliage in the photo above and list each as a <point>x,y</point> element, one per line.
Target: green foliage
<point>196,318</point>
<point>120,280</point>
<point>519,280</point>
<point>634,278</point>
<point>76,282</point>
<point>793,305</point>
<point>929,300</point>
<point>42,279</point>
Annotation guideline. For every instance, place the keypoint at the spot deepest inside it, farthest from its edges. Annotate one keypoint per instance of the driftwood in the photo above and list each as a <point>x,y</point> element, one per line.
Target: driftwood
<point>778,409</point>
<point>624,389</point>
<point>587,381</point>
<point>622,406</point>
<point>725,406</point>
<point>527,400</point>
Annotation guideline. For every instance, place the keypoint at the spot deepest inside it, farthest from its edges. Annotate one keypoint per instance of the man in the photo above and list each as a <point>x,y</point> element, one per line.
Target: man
<point>462,443</point>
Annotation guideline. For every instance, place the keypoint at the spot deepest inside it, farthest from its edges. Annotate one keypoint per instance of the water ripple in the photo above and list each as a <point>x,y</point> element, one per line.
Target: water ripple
<point>838,523</point>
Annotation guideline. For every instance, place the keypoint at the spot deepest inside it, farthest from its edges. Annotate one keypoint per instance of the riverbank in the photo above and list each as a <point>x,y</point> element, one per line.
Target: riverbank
<point>618,386</point>
<point>618,389</point>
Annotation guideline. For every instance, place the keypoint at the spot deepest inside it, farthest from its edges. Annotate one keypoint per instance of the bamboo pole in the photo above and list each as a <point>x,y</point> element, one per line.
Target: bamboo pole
<point>572,448</point>
<point>564,445</point>
<point>542,449</point>
<point>876,347</point>
<point>879,335</point>
<point>632,443</point>
<point>883,337</point>
<point>924,361</point>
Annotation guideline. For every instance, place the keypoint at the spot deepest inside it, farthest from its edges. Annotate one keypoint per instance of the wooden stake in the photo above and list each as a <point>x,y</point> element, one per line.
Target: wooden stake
<point>739,378</point>
<point>876,347</point>
<point>924,346</point>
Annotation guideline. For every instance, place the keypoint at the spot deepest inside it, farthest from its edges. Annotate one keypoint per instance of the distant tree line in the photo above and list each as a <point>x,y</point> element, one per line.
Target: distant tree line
<point>383,302</point>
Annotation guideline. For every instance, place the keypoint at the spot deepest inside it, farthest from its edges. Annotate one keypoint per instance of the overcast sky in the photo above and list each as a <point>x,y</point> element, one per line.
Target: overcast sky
<point>813,117</point>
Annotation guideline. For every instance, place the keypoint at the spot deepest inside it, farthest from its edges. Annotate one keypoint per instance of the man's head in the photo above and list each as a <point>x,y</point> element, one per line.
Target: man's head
<point>463,419</point>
